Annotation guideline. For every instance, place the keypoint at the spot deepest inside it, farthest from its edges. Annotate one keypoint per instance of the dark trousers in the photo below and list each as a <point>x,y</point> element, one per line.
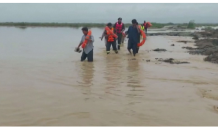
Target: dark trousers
<point>133,46</point>
<point>137,50</point>
<point>108,46</point>
<point>89,56</point>
<point>119,39</point>
<point>146,30</point>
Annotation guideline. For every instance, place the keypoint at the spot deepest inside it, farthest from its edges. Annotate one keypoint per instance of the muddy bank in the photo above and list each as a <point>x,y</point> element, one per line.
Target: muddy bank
<point>206,44</point>
<point>171,34</point>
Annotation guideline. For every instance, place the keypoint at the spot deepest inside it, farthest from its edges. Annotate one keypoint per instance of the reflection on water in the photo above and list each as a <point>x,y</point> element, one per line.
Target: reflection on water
<point>133,70</point>
<point>22,27</point>
<point>87,73</point>
<point>112,74</point>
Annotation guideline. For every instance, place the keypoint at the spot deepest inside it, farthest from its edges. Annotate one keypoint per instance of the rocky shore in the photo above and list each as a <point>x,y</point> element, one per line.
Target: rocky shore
<point>206,43</point>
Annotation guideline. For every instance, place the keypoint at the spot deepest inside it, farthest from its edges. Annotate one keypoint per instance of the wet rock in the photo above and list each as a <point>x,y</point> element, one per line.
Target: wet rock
<point>212,58</point>
<point>188,48</point>
<point>183,41</point>
<point>173,61</point>
<point>172,45</point>
<point>196,36</point>
<point>170,60</point>
<point>159,49</point>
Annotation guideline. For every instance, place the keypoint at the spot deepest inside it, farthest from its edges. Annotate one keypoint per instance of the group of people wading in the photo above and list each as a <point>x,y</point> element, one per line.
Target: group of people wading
<point>114,35</point>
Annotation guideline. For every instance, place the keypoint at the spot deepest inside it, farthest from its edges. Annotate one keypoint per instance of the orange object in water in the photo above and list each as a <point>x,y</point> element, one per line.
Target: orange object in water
<point>143,35</point>
<point>110,32</point>
<point>86,39</point>
<point>148,24</point>
<point>110,37</point>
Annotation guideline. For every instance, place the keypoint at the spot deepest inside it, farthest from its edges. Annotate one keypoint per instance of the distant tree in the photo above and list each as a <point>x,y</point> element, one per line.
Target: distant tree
<point>191,24</point>
<point>170,23</point>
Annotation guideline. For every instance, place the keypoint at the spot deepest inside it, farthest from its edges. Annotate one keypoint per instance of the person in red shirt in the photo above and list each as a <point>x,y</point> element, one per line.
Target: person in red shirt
<point>119,28</point>
<point>145,27</point>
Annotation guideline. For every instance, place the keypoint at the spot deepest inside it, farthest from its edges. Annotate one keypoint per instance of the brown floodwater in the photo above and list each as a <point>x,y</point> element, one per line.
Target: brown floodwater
<point>43,82</point>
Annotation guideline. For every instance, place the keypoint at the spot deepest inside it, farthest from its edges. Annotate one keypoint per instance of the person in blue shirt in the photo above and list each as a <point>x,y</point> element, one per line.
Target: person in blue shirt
<point>133,33</point>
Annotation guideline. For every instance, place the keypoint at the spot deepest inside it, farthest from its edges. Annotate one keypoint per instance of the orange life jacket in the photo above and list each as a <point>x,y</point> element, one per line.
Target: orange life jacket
<point>147,24</point>
<point>119,27</point>
<point>110,33</point>
<point>87,37</point>
<point>143,35</point>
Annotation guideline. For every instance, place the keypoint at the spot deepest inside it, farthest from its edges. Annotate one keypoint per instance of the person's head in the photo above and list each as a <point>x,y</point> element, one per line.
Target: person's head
<point>85,30</point>
<point>109,25</point>
<point>144,21</point>
<point>134,22</point>
<point>119,19</point>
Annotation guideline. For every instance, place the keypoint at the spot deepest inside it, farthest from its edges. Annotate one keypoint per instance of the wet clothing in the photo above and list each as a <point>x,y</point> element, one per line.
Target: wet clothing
<point>146,30</point>
<point>109,42</point>
<point>118,30</point>
<point>145,27</point>
<point>88,50</point>
<point>89,56</point>
<point>137,50</point>
<point>108,47</point>
<point>89,45</point>
<point>133,36</point>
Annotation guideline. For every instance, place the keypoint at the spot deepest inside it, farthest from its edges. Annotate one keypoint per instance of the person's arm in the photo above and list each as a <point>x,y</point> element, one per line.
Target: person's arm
<point>103,34</point>
<point>123,28</point>
<point>138,29</point>
<point>127,32</point>
<point>115,31</point>
<point>81,41</point>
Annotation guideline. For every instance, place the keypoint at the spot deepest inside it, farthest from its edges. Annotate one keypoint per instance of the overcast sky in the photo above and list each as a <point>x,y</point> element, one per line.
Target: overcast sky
<point>103,13</point>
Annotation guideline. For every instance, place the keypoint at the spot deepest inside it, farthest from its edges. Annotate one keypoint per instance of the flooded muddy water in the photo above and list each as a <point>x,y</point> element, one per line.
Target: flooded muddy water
<point>43,82</point>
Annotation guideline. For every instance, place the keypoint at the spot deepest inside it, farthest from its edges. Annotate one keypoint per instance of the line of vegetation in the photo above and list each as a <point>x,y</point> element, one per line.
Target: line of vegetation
<point>190,25</point>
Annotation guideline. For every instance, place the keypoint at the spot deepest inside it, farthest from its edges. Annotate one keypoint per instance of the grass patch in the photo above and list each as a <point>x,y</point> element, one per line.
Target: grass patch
<point>190,25</point>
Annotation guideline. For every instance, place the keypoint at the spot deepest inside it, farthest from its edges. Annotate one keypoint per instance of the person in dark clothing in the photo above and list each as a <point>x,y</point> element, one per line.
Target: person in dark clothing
<point>119,27</point>
<point>110,40</point>
<point>133,33</point>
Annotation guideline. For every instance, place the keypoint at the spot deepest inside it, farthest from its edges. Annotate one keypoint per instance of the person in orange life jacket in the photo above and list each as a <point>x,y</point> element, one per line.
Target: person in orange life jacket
<point>110,40</point>
<point>145,27</point>
<point>88,50</point>
<point>119,28</point>
<point>104,36</point>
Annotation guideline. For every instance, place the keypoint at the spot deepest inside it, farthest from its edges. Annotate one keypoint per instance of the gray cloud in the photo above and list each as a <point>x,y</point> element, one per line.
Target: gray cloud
<point>102,13</point>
